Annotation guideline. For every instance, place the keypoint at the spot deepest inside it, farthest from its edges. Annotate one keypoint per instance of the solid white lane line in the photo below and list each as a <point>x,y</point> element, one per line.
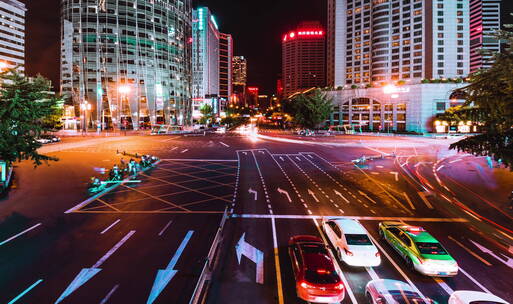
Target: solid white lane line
<point>222,143</point>
<point>470,251</point>
<point>342,276</point>
<point>165,228</point>
<point>113,250</point>
<point>111,292</point>
<point>111,225</point>
<point>397,267</point>
<point>19,234</point>
<point>475,281</point>
<point>361,218</point>
<point>444,285</point>
<point>408,200</point>
<point>372,273</point>
<point>277,264</point>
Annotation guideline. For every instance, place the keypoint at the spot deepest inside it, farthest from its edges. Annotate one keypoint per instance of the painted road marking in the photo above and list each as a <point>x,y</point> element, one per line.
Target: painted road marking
<point>444,285</point>
<point>25,291</point>
<point>251,191</point>
<point>174,148</point>
<point>474,280</point>
<point>164,276</point>
<point>112,225</point>
<point>87,273</point>
<point>396,174</point>
<point>165,228</point>
<point>372,273</point>
<point>222,143</point>
<point>20,234</point>
<point>277,264</point>
<point>243,248</point>
<point>184,151</point>
<point>285,193</point>
<point>313,195</point>
<point>340,194</point>
<point>111,292</point>
<point>198,160</point>
<point>425,200</point>
<point>508,261</point>
<point>367,197</point>
<point>408,200</point>
<point>470,251</point>
<point>363,218</point>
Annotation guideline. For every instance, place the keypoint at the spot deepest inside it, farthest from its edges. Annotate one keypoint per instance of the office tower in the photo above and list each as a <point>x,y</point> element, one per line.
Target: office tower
<point>485,21</point>
<point>12,30</point>
<point>225,66</point>
<point>130,64</point>
<point>303,58</point>
<point>240,79</point>
<point>384,41</point>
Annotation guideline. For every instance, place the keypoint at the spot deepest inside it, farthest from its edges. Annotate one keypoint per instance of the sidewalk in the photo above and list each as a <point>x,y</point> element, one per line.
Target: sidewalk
<point>93,133</point>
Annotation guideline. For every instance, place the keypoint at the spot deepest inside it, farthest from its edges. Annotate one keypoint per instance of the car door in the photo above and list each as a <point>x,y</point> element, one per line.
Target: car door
<point>405,244</point>
<point>296,259</point>
<point>331,232</point>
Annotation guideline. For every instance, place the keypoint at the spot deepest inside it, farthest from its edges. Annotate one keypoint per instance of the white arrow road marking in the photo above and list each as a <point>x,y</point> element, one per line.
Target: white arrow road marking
<point>184,151</point>
<point>255,255</point>
<point>313,195</point>
<point>340,194</point>
<point>396,174</point>
<point>367,197</point>
<point>285,193</point>
<point>164,276</point>
<point>508,261</point>
<point>425,200</point>
<point>87,273</point>
<point>251,191</point>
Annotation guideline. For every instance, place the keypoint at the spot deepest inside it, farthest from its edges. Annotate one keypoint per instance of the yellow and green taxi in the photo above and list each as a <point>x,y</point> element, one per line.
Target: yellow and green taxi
<point>421,251</point>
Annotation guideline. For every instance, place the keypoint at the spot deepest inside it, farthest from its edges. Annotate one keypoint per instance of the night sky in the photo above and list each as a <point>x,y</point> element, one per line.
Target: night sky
<point>257,27</point>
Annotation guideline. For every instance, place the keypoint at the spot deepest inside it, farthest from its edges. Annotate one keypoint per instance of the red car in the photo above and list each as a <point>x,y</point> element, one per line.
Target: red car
<point>317,279</point>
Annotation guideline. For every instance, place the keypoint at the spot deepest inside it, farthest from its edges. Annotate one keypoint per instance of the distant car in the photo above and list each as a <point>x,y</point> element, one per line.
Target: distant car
<point>317,277</point>
<point>43,141</point>
<point>351,242</point>
<point>50,137</point>
<point>476,297</point>
<point>420,250</point>
<point>393,292</point>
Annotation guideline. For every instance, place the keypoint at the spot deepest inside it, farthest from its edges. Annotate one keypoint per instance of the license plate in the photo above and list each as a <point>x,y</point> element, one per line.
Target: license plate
<point>442,273</point>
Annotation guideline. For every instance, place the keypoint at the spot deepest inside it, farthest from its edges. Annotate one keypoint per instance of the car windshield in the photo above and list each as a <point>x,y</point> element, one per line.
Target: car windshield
<point>431,248</point>
<point>408,297</point>
<point>321,277</point>
<point>358,239</point>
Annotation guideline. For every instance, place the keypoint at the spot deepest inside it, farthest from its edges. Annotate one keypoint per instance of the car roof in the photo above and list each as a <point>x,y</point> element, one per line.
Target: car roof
<point>386,285</point>
<point>313,260</point>
<point>468,296</point>
<point>422,236</point>
<point>350,226</point>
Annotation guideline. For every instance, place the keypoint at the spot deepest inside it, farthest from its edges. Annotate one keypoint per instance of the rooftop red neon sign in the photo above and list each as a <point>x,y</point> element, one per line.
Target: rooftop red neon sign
<point>303,33</point>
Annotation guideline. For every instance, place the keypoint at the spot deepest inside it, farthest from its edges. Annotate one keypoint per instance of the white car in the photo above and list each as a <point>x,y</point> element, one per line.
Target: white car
<point>352,242</point>
<point>468,297</point>
<point>393,292</point>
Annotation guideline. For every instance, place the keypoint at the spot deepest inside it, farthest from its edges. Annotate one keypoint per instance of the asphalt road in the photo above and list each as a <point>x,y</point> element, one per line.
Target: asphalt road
<point>147,242</point>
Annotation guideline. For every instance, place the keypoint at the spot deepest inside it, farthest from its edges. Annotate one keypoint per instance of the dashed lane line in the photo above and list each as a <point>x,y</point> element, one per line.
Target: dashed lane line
<point>165,228</point>
<point>25,292</point>
<point>111,225</point>
<point>111,292</point>
<point>20,234</point>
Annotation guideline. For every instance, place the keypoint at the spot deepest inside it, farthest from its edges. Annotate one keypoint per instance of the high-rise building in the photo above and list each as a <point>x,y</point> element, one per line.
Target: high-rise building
<point>129,64</point>
<point>240,70</point>
<point>205,60</point>
<point>12,31</point>
<point>225,66</point>
<point>303,58</point>
<point>485,21</point>
<point>240,80</point>
<point>396,64</point>
<point>389,40</point>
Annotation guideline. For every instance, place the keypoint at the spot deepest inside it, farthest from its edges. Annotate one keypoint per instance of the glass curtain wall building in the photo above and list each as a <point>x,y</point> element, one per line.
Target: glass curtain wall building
<point>128,62</point>
<point>12,33</point>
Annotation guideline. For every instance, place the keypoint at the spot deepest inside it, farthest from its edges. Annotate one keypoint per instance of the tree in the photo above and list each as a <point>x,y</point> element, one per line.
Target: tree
<point>312,109</point>
<point>208,112</point>
<point>489,101</point>
<point>24,106</point>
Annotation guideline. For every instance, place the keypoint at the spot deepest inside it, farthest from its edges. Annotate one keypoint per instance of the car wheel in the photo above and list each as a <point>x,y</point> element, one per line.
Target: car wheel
<point>369,298</point>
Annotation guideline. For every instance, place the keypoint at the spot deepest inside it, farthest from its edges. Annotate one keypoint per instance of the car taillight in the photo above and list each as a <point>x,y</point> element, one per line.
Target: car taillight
<point>377,254</point>
<point>348,253</point>
<point>339,286</point>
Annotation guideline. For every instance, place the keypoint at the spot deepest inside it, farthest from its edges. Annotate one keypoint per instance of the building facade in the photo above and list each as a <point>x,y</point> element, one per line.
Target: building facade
<point>303,58</point>
<point>240,79</point>
<point>382,41</point>
<point>127,63</point>
<point>225,66</point>
<point>485,21</point>
<point>205,60</point>
<point>12,34</point>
